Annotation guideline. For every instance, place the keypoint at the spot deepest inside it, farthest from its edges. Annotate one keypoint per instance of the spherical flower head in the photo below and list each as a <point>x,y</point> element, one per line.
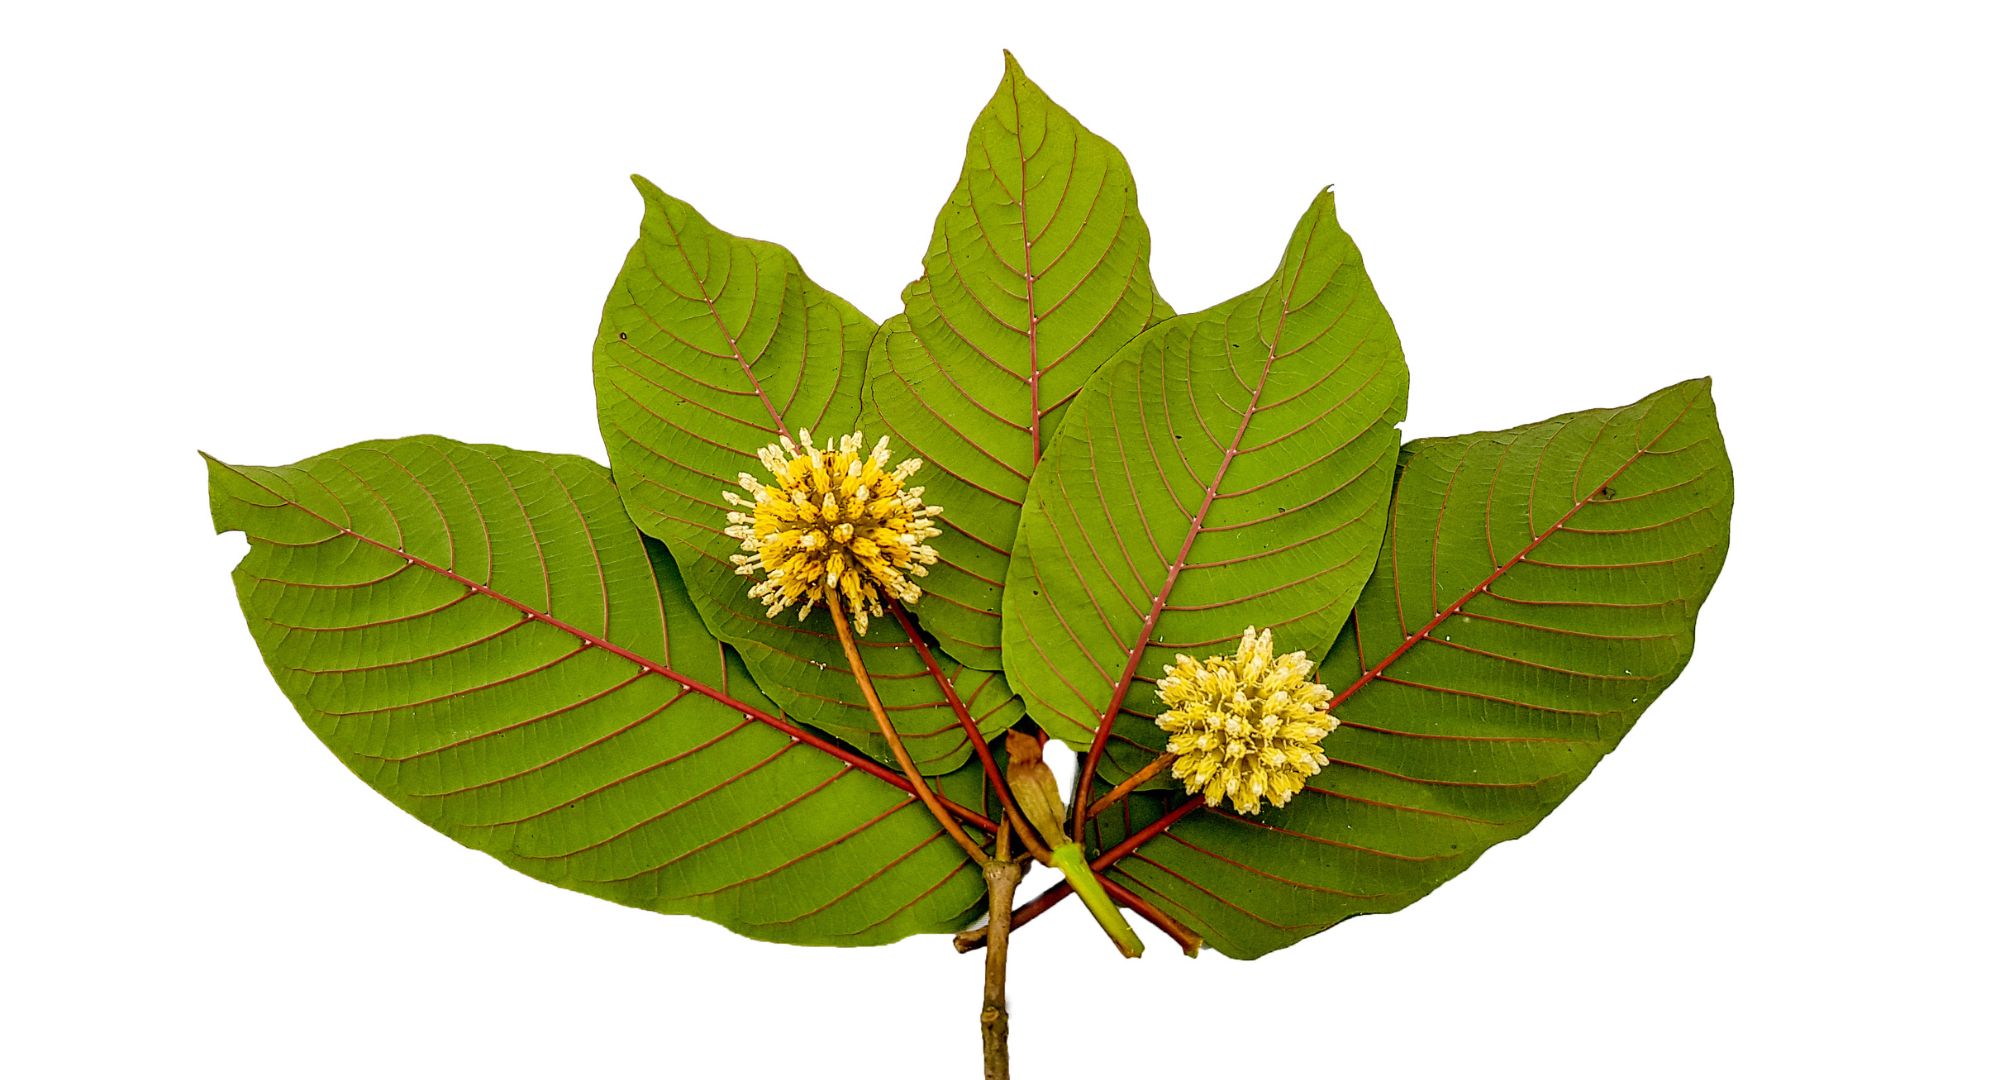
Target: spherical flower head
<point>834,518</point>
<point>1246,727</point>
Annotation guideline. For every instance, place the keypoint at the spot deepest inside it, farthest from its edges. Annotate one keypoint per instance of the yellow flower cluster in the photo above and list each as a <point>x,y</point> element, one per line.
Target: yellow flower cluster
<point>833,518</point>
<point>1247,727</point>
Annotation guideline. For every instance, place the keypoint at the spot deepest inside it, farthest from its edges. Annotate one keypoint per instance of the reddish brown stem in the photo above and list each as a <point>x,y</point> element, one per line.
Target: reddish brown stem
<point>1089,769</point>
<point>1013,813</point>
<point>1130,785</point>
<point>1188,940</point>
<point>1054,894</point>
<point>891,735</point>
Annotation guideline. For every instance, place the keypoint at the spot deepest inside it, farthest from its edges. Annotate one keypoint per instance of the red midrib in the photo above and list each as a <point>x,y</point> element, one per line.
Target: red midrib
<point>1424,632</point>
<point>1152,619</point>
<point>777,421</point>
<point>1028,279</point>
<point>965,721</point>
<point>798,734</point>
<point>1132,842</point>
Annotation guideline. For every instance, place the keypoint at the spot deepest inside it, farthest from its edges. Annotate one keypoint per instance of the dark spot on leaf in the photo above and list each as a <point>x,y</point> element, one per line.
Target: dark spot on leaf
<point>1607,492</point>
<point>621,335</point>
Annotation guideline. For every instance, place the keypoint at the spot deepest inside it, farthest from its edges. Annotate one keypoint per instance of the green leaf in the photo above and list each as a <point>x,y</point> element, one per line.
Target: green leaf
<point>712,346</point>
<point>1537,591</point>
<point>481,635</point>
<point>1037,273</point>
<point>1227,468</point>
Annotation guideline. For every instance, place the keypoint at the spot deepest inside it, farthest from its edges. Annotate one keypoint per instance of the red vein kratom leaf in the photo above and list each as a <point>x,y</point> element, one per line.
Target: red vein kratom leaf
<point>483,636</point>
<point>711,347</point>
<point>1536,593</point>
<point>1037,273</point>
<point>1227,468</point>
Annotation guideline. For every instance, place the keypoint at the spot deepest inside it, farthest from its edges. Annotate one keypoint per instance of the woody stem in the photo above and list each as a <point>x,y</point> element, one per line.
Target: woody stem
<point>968,940</point>
<point>1002,875</point>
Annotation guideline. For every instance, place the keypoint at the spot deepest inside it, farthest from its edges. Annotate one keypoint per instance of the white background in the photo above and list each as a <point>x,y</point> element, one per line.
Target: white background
<point>267,232</point>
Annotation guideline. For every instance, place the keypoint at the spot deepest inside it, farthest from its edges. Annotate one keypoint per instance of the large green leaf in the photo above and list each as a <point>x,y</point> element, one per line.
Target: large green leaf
<point>1036,274</point>
<point>1227,468</point>
<point>482,636</point>
<point>711,347</point>
<point>1537,591</point>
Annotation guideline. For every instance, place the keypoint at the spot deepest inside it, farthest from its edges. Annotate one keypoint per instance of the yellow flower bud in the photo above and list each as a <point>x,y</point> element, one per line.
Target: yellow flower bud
<point>1246,727</point>
<point>833,518</point>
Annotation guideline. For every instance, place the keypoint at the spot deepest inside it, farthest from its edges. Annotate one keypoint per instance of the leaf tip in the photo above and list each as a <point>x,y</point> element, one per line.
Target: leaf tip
<point>1701,388</point>
<point>220,474</point>
<point>1321,208</point>
<point>1704,391</point>
<point>217,467</point>
<point>1012,76</point>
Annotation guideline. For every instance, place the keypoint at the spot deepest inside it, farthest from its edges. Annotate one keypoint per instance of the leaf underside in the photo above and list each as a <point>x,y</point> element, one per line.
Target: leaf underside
<point>1536,591</point>
<point>1037,273</point>
<point>572,744</point>
<point>711,347</point>
<point>1228,468</point>
<point>569,675</point>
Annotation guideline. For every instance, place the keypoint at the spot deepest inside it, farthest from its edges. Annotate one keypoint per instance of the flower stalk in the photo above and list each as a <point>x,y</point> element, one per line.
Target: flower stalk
<point>838,527</point>
<point>889,734</point>
<point>1130,784</point>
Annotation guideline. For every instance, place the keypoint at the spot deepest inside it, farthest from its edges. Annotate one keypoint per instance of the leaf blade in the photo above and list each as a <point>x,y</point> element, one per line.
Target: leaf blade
<point>711,347</point>
<point>1150,528</point>
<point>1566,609</point>
<point>481,635</point>
<point>999,334</point>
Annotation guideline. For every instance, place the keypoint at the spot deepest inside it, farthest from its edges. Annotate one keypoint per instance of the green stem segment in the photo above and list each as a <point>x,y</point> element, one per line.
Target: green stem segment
<point>1069,859</point>
<point>1034,789</point>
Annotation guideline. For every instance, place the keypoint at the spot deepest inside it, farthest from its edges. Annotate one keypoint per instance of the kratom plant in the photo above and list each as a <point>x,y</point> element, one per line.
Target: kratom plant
<point>791,662</point>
